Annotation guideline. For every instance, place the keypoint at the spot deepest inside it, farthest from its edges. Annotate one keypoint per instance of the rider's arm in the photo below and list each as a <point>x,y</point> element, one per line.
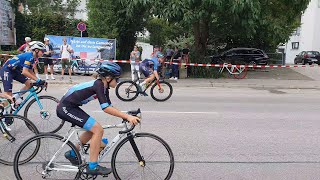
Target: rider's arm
<point>29,73</point>
<point>106,106</point>
<point>27,69</point>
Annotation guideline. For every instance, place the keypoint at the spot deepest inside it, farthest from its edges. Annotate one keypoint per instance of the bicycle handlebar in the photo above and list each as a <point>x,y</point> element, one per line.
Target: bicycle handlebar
<point>41,87</point>
<point>132,113</point>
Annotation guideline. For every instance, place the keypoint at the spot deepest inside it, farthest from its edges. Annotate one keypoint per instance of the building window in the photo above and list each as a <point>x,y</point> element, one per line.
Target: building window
<point>297,31</point>
<point>295,45</point>
<point>318,3</point>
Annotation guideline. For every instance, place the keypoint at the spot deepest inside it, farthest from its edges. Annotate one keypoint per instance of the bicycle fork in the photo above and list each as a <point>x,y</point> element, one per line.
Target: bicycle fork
<point>142,162</point>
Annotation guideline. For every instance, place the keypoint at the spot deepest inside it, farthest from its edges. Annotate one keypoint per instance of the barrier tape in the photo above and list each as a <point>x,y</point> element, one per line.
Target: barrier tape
<point>191,64</point>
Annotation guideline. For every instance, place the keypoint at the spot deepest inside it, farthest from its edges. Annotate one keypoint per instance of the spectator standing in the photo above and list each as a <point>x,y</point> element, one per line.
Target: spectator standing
<point>25,47</point>
<point>185,57</point>
<point>47,60</point>
<point>135,56</point>
<point>176,58</point>
<point>66,51</point>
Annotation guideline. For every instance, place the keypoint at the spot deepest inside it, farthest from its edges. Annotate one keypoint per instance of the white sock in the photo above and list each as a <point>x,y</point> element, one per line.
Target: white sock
<point>16,96</point>
<point>47,76</point>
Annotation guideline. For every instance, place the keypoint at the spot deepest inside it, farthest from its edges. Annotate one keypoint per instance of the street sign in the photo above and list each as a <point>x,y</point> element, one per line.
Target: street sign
<point>81,26</point>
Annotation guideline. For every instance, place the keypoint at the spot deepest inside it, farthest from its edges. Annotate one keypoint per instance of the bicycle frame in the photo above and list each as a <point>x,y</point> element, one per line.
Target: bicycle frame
<point>102,154</point>
<point>231,69</point>
<point>32,93</point>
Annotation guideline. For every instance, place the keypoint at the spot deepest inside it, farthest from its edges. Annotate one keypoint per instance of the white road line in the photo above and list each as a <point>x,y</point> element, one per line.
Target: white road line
<point>169,112</point>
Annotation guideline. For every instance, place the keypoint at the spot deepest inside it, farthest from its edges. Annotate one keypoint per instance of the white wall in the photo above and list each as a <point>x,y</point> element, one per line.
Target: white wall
<point>309,38</point>
<point>147,49</point>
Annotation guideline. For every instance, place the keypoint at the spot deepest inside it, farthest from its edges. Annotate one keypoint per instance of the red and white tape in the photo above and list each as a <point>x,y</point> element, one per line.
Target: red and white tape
<point>192,64</point>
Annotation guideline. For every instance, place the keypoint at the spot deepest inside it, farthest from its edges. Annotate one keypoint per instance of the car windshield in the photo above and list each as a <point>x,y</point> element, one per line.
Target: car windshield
<point>313,53</point>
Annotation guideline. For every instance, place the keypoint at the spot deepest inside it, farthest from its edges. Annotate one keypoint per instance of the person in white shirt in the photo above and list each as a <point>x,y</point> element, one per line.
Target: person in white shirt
<point>66,51</point>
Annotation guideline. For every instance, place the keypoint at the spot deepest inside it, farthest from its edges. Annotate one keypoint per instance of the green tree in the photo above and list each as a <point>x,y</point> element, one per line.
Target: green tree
<point>238,20</point>
<point>161,31</point>
<point>110,19</point>
<point>66,8</point>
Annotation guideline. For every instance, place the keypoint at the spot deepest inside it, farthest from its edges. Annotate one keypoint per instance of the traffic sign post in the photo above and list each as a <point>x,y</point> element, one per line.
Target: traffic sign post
<point>81,27</point>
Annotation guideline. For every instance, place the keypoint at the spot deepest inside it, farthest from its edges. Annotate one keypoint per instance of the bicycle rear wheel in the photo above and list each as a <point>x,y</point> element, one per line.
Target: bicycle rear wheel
<point>157,163</point>
<point>17,129</point>
<point>45,119</point>
<point>38,167</point>
<point>127,91</point>
<point>164,95</point>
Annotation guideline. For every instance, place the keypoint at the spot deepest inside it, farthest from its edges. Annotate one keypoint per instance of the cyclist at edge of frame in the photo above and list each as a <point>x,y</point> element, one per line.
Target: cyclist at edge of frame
<point>106,76</point>
<point>149,68</point>
<point>19,68</point>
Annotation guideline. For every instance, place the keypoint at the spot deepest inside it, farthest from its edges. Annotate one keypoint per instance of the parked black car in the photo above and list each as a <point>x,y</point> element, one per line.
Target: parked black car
<point>309,57</point>
<point>251,56</point>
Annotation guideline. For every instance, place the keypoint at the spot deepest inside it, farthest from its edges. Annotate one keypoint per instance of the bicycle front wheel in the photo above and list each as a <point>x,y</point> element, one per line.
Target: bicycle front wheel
<point>127,91</point>
<point>17,129</point>
<point>240,73</point>
<point>161,95</point>
<point>39,167</point>
<point>44,118</point>
<point>157,158</point>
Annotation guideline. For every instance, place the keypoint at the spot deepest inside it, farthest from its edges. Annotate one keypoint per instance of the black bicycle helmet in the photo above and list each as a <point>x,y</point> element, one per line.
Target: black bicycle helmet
<point>109,69</point>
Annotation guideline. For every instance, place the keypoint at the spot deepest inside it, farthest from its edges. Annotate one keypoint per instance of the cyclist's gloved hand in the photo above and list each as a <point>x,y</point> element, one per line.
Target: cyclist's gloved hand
<point>40,82</point>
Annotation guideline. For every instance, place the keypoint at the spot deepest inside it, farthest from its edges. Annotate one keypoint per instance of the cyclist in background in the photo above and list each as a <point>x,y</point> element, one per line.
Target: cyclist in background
<point>69,110</point>
<point>19,68</point>
<point>149,67</point>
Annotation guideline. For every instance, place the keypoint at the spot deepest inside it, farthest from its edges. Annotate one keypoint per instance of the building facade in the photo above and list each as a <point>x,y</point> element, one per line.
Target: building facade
<point>306,37</point>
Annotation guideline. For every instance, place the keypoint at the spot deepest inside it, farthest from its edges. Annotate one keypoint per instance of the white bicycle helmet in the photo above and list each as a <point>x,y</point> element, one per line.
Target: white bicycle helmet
<point>27,39</point>
<point>46,39</point>
<point>37,45</point>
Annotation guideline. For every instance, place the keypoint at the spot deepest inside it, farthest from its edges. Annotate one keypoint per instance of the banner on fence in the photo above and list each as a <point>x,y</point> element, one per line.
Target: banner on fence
<point>85,48</point>
<point>7,30</point>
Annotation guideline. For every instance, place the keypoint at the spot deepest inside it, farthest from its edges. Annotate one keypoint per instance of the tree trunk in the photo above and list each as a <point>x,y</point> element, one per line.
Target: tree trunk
<point>201,35</point>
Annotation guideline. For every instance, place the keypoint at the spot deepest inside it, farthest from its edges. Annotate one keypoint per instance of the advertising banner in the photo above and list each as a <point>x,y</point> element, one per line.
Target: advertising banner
<point>7,31</point>
<point>85,48</point>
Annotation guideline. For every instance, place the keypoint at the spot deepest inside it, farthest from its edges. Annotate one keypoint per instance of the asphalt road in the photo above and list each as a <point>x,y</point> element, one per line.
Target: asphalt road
<point>228,133</point>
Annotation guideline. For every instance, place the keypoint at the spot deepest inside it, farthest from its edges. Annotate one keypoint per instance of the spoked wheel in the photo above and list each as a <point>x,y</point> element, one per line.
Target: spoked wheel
<point>39,167</point>
<point>162,94</point>
<point>127,91</point>
<point>16,130</point>
<point>240,72</point>
<point>44,118</point>
<point>157,158</point>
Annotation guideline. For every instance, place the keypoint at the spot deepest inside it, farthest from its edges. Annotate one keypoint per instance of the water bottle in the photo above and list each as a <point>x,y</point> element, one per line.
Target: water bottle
<point>104,143</point>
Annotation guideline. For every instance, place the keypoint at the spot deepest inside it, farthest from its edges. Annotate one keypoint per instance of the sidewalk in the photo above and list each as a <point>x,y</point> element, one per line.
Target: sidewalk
<point>230,83</point>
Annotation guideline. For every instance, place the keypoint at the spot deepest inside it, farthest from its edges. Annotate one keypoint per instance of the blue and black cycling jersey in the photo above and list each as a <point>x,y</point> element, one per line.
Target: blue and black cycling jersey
<point>153,62</point>
<point>85,92</point>
<point>19,62</point>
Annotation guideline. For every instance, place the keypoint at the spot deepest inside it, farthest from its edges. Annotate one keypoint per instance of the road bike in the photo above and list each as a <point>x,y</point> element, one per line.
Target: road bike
<point>238,71</point>
<point>41,110</point>
<point>129,90</point>
<point>135,156</point>
<point>13,134</point>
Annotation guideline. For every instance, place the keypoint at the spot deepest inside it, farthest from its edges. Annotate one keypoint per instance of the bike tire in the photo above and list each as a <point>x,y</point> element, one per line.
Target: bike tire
<point>127,91</point>
<point>29,126</point>
<point>240,75</point>
<point>38,138</point>
<point>122,144</point>
<point>52,128</point>
<point>153,89</point>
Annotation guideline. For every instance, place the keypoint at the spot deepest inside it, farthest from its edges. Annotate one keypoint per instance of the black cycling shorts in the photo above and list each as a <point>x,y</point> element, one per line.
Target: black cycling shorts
<point>75,115</point>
